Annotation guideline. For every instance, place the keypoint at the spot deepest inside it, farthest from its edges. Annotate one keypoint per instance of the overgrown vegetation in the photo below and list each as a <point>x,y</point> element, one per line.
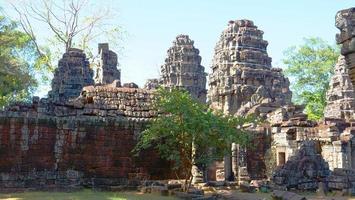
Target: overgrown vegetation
<point>184,124</point>
<point>310,67</point>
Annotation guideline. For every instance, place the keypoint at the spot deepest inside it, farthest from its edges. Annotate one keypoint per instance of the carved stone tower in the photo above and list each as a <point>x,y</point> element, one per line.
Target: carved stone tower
<point>243,82</point>
<point>340,96</point>
<point>183,68</point>
<point>242,77</point>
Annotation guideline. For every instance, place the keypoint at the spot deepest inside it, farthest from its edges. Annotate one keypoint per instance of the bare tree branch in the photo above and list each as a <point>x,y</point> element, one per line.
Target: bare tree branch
<point>65,21</point>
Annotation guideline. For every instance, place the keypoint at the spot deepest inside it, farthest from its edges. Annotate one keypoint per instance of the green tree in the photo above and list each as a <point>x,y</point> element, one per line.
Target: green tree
<point>17,80</point>
<point>310,67</point>
<point>183,124</point>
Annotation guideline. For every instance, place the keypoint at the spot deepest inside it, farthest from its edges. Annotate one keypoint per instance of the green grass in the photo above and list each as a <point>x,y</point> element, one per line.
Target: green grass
<point>82,195</point>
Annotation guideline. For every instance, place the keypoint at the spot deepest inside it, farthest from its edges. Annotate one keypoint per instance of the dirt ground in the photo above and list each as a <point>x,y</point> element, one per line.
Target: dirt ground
<point>236,195</point>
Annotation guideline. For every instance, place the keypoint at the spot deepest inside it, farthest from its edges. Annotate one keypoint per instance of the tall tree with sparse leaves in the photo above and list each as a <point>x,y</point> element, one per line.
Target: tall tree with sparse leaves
<point>70,24</point>
<point>310,67</point>
<point>183,124</point>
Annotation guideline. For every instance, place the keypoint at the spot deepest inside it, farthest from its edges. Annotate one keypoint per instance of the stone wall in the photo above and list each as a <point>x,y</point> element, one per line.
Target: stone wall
<point>87,141</point>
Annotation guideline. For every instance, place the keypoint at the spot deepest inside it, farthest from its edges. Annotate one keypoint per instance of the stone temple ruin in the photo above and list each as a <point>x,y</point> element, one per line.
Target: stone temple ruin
<point>83,133</point>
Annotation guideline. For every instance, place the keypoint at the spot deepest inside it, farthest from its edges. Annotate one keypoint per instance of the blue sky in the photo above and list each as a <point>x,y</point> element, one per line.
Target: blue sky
<point>151,26</point>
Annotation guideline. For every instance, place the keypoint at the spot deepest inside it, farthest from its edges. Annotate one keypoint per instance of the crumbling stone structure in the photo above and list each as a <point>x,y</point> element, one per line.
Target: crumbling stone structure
<point>242,79</point>
<point>152,84</point>
<point>243,82</point>
<point>345,22</point>
<point>107,72</point>
<point>83,133</point>
<point>79,136</point>
<point>333,137</point>
<point>73,73</point>
<point>340,96</point>
<point>304,168</point>
<point>183,68</point>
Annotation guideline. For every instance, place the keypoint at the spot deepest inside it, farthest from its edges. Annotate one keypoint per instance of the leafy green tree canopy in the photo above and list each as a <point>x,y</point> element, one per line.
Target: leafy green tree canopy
<point>310,67</point>
<point>183,124</point>
<point>16,71</point>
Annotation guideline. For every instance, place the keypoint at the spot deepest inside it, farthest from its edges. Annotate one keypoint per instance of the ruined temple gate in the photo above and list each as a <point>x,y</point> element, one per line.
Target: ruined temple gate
<point>83,133</point>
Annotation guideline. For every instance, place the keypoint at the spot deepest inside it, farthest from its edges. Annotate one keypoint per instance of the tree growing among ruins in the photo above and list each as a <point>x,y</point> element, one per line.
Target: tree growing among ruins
<point>310,67</point>
<point>183,124</point>
<point>17,79</point>
<point>69,24</point>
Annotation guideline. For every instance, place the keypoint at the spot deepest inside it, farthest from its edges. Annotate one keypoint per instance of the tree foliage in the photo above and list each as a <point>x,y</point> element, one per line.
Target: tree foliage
<point>17,80</point>
<point>310,67</point>
<point>184,124</point>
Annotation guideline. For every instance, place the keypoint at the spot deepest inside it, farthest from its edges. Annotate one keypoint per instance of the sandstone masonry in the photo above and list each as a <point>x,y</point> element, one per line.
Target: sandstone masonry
<point>183,68</point>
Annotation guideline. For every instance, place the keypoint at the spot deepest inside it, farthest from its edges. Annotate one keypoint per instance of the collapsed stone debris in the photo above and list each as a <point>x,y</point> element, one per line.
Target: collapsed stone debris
<point>82,134</point>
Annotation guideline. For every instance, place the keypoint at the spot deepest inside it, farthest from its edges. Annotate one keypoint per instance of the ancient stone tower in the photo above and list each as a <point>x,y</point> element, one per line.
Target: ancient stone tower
<point>340,96</point>
<point>345,22</point>
<point>72,74</point>
<point>183,68</point>
<point>242,79</point>
<point>107,71</point>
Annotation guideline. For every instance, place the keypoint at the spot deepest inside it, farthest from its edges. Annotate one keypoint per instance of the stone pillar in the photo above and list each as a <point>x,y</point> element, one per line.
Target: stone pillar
<point>107,72</point>
<point>342,155</point>
<point>196,170</point>
<point>227,167</point>
<point>235,159</point>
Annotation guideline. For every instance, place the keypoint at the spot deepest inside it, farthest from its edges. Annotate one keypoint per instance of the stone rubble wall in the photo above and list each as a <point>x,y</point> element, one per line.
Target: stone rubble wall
<point>85,142</point>
<point>303,169</point>
<point>342,179</point>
